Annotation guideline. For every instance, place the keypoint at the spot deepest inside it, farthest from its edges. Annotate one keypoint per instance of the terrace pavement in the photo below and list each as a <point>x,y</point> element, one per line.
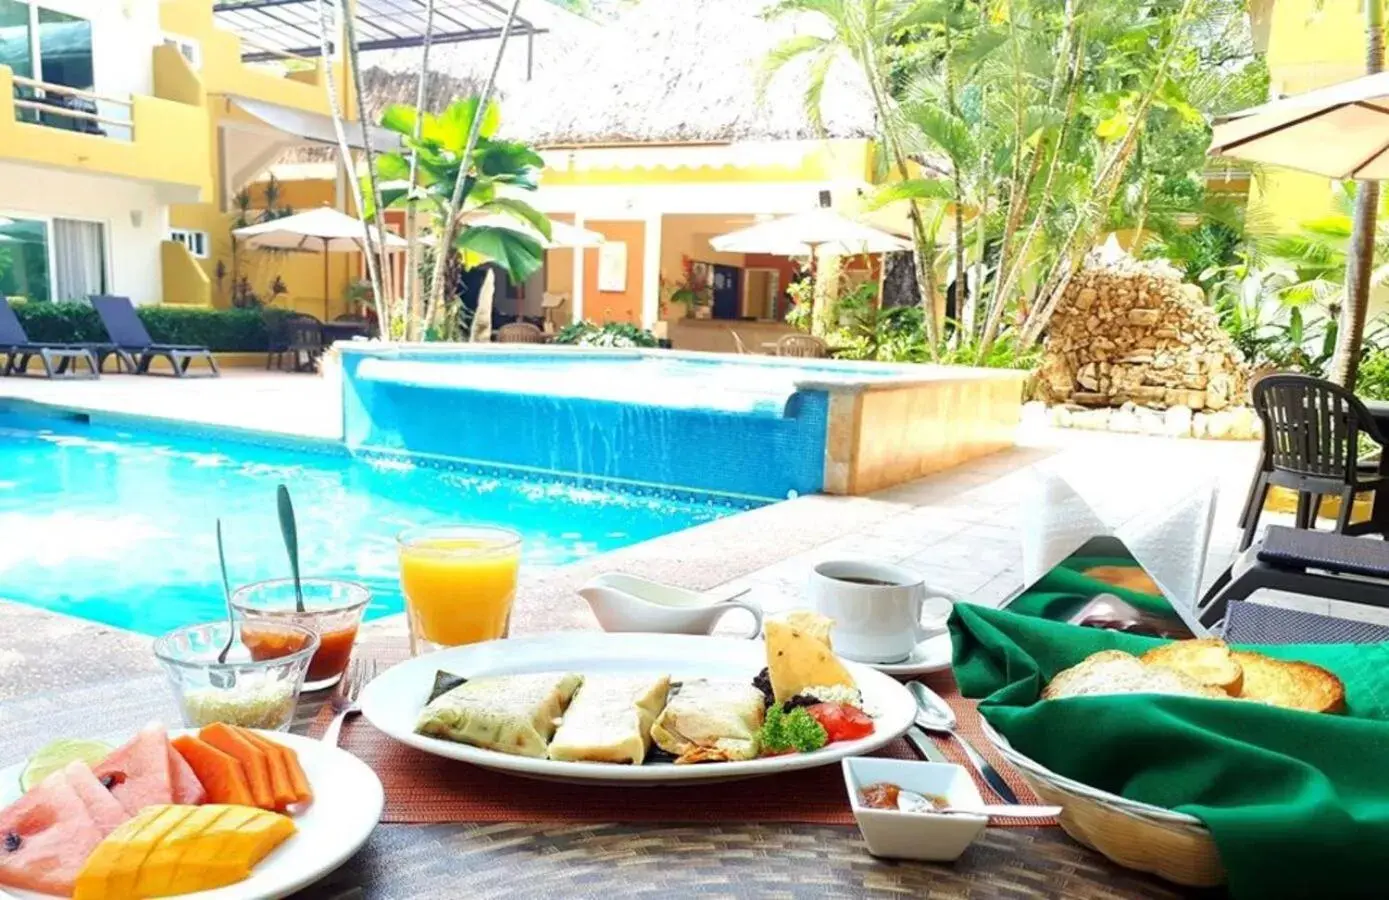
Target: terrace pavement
<point>960,529</point>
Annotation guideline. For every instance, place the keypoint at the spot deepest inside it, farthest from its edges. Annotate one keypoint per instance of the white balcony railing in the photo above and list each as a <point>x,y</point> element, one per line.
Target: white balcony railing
<point>73,109</point>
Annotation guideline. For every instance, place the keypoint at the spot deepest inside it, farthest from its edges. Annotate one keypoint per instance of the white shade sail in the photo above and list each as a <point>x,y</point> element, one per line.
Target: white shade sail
<point>821,230</point>
<point>1341,131</point>
<point>322,230</point>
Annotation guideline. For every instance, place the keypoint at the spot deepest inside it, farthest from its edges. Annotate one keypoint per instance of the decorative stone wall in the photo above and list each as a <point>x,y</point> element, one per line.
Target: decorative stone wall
<point>1131,332</point>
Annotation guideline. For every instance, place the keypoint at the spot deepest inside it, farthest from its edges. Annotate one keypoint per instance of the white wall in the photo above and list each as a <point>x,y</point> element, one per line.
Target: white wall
<point>132,251</point>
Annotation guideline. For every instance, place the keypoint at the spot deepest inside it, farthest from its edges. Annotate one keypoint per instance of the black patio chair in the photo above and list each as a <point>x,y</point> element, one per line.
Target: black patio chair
<point>135,349</point>
<point>1311,563</point>
<point>298,336</point>
<point>1312,431</point>
<point>58,360</point>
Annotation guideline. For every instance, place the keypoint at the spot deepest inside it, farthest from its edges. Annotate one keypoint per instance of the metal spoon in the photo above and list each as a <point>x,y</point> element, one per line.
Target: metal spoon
<point>934,714</point>
<point>290,532</point>
<point>910,801</point>
<point>222,679</point>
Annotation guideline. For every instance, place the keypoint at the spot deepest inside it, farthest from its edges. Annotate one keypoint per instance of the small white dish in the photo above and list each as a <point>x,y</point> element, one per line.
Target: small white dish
<point>632,603</point>
<point>931,655</point>
<point>926,836</point>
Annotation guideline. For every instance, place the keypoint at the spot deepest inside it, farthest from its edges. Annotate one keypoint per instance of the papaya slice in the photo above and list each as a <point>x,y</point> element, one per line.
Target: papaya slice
<point>221,774</point>
<point>303,792</point>
<point>253,762</point>
<point>280,784</point>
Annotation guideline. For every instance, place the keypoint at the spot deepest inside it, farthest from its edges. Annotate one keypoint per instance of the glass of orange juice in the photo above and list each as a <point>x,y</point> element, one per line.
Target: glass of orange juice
<point>459,583</point>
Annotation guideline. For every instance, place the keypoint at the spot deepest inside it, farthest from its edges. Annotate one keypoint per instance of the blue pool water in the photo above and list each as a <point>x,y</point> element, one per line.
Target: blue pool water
<point>113,521</point>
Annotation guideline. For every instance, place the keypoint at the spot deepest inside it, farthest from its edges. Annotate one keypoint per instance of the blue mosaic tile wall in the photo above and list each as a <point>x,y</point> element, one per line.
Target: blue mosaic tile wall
<point>762,454</point>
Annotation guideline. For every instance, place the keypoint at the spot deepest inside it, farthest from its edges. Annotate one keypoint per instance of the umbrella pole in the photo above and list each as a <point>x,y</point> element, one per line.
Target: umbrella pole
<point>325,279</point>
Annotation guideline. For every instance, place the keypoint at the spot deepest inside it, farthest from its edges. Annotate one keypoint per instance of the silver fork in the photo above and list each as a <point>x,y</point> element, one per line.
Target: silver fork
<point>344,699</point>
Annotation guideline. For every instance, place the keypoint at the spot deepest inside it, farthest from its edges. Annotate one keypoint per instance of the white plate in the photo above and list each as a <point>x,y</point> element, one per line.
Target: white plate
<point>931,655</point>
<point>347,805</point>
<point>392,702</point>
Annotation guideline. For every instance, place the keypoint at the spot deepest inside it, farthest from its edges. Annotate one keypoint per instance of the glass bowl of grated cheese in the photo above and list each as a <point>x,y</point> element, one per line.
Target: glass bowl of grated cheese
<point>252,693</point>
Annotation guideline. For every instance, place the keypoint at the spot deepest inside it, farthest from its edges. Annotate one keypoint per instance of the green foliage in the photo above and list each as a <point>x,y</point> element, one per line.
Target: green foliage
<point>223,330</point>
<point>494,162</point>
<point>613,334</point>
<point>1372,380</point>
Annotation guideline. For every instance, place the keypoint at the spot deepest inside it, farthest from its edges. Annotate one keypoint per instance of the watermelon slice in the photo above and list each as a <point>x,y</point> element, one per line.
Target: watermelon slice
<point>188,790</point>
<point>106,811</point>
<point>46,837</point>
<point>138,772</point>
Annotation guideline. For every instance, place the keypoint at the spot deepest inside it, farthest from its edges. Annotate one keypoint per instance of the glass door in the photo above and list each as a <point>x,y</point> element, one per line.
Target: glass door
<point>24,258</point>
<point>17,50</point>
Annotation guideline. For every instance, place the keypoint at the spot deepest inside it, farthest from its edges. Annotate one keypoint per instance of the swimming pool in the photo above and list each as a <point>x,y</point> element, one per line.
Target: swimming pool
<point>112,519</point>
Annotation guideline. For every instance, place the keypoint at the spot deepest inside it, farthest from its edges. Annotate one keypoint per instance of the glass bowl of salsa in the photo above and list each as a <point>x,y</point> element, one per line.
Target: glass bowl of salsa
<point>332,610</point>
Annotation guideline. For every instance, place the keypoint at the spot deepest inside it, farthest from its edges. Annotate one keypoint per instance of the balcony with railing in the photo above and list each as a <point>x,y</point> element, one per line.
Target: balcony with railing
<point>163,138</point>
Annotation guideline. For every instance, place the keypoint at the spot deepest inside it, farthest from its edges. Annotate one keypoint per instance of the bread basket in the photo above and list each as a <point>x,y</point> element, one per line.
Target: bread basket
<point>1135,835</point>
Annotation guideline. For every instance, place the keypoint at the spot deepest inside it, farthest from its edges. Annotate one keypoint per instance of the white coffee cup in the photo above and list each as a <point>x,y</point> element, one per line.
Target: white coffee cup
<point>876,608</point>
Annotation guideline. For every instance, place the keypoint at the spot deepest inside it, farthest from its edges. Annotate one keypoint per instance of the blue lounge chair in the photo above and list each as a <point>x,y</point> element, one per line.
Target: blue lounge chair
<point>133,346</point>
<point>58,360</point>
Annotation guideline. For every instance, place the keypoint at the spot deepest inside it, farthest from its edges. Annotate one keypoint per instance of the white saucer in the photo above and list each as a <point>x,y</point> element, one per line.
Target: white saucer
<point>931,655</point>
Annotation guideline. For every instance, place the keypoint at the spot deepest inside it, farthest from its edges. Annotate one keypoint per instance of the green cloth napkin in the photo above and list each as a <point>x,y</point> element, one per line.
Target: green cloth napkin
<point>1064,589</point>
<point>1298,803</point>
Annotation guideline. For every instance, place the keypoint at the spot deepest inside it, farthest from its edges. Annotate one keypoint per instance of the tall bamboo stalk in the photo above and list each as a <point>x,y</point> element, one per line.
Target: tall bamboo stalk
<point>414,286</point>
<point>375,243</point>
<point>325,24</point>
<point>1105,186</point>
<point>1360,254</point>
<point>445,247</point>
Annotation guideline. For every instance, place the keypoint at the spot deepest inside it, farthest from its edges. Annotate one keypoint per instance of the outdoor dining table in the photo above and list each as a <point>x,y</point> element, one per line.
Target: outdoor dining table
<point>572,860</point>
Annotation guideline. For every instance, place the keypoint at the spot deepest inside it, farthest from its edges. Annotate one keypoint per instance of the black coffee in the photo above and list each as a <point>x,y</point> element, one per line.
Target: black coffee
<point>875,582</point>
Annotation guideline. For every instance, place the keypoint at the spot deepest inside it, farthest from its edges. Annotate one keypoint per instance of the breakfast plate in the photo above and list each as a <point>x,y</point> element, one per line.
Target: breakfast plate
<point>393,702</point>
<point>347,803</point>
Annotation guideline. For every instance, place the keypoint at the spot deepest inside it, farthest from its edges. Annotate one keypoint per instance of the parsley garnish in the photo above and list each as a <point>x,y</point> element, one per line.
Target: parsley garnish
<point>796,730</point>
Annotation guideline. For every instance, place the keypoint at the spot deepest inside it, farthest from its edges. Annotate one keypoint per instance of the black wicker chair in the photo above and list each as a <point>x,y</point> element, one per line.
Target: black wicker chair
<point>1312,431</point>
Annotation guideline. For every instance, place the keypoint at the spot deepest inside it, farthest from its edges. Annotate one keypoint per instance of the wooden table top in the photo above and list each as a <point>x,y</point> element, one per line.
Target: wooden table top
<point>619,861</point>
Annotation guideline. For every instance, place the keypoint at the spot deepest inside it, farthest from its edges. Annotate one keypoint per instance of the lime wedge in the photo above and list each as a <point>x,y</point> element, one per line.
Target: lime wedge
<point>58,754</point>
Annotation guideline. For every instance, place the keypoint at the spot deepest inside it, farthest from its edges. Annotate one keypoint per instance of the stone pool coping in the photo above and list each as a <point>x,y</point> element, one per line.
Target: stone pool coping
<point>898,375</point>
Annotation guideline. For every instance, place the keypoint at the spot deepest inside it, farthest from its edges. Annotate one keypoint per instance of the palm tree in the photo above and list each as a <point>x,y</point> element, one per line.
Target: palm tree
<point>413,285</point>
<point>861,31</point>
<point>326,39</point>
<point>1345,364</point>
<point>450,220</point>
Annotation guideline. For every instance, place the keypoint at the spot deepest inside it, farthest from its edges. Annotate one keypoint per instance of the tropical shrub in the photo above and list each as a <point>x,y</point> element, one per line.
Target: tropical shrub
<point>223,330</point>
<point>613,334</point>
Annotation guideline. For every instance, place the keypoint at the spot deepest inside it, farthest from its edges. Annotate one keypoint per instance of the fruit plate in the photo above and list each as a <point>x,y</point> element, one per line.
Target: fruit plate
<point>392,702</point>
<point>347,805</point>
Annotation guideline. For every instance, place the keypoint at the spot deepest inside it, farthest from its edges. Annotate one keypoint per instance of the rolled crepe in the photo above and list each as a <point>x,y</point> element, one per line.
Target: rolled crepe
<point>710,720</point>
<point>508,713</point>
<point>610,719</point>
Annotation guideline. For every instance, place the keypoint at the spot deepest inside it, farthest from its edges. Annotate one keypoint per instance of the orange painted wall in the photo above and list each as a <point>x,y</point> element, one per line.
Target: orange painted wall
<point>786,273</point>
<point>603,306</point>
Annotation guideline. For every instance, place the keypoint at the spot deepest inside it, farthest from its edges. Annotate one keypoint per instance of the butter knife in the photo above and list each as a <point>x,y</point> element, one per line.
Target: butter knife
<point>934,714</point>
<point>922,743</point>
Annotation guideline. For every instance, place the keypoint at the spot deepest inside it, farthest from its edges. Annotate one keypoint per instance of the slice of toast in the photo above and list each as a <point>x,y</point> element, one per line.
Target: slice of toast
<point>1292,685</point>
<point>1116,672</point>
<point>1208,660</point>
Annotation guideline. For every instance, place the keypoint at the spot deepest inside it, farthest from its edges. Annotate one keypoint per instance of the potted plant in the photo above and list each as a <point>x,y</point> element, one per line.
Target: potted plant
<point>692,292</point>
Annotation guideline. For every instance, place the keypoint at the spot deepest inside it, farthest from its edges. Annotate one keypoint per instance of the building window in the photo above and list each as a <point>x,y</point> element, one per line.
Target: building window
<point>195,241</point>
<point>51,259</point>
<point>189,48</point>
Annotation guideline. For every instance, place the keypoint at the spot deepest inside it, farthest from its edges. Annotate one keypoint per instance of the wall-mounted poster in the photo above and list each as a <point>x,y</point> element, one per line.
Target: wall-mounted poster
<point>612,266</point>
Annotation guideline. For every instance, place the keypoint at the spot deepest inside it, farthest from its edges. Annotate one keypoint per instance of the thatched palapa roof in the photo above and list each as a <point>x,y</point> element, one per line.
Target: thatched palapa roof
<point>665,71</point>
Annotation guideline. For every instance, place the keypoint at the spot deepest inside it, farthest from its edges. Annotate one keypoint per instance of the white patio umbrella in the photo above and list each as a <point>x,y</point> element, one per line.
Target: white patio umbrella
<point>562,234</point>
<point>324,230</point>
<point>806,234</point>
<point>1341,131</point>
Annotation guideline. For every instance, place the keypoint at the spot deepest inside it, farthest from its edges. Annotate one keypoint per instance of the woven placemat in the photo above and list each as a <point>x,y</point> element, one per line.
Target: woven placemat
<point>425,789</point>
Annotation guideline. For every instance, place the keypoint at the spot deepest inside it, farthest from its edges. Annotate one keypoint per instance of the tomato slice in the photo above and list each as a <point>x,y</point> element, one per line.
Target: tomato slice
<point>841,721</point>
